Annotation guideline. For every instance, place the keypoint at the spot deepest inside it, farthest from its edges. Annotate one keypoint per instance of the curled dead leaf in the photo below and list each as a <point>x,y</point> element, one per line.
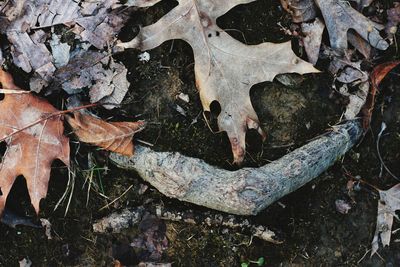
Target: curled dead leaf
<point>377,75</point>
<point>112,136</point>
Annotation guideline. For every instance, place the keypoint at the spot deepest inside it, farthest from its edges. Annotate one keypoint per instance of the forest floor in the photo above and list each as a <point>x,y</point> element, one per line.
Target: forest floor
<point>315,233</point>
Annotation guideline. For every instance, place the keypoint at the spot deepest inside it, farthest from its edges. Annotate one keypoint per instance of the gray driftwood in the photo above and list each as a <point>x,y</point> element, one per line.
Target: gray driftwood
<point>246,191</point>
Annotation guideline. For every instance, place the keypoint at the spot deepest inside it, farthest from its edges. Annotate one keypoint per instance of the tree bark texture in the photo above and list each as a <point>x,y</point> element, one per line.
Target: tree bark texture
<point>246,191</point>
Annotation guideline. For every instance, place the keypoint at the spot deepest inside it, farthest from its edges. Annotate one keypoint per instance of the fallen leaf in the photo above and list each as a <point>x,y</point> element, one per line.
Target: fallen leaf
<point>312,39</point>
<point>24,23</point>
<point>388,204</point>
<point>60,51</point>
<point>81,71</point>
<point>31,54</point>
<point>347,71</point>
<point>95,70</point>
<point>99,22</point>
<point>141,3</point>
<point>340,17</point>
<point>359,43</point>
<point>112,87</point>
<point>305,10</point>
<point>30,151</point>
<point>112,136</point>
<point>380,72</point>
<point>25,15</point>
<point>377,75</point>
<point>356,100</point>
<point>225,68</point>
<point>300,10</point>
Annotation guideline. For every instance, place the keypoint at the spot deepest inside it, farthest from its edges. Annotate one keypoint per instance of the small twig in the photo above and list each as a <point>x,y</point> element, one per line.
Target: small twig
<point>144,142</point>
<point>369,184</point>
<point>116,222</point>
<point>64,194</point>
<point>365,254</point>
<point>236,30</point>
<point>90,178</point>
<point>112,202</point>
<point>72,175</point>
<point>383,128</point>
<point>13,91</point>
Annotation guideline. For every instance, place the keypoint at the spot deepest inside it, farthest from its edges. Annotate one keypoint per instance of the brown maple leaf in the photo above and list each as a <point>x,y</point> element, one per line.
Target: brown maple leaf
<point>112,136</point>
<point>30,150</point>
<point>225,68</point>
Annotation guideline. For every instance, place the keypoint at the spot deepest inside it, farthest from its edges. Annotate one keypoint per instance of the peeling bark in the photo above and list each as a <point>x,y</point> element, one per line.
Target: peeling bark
<point>246,191</point>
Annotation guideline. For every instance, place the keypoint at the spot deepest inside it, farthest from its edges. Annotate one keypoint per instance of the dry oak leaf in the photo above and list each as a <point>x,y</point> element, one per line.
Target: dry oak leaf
<point>340,17</point>
<point>301,10</point>
<point>112,136</point>
<point>30,150</point>
<point>388,204</point>
<point>225,68</point>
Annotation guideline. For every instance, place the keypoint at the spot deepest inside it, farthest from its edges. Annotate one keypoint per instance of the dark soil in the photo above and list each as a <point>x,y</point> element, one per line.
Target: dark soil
<point>315,233</point>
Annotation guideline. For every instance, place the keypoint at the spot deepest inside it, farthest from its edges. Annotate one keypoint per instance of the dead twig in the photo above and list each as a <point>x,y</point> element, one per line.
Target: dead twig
<point>378,151</point>
<point>118,221</point>
<point>112,202</point>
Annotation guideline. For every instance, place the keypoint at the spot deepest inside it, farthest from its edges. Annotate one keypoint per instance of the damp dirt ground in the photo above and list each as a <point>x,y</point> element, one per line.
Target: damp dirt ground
<point>315,233</point>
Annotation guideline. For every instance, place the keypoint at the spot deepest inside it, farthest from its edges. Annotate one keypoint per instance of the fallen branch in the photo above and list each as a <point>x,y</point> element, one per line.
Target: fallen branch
<point>246,191</point>
<point>116,222</point>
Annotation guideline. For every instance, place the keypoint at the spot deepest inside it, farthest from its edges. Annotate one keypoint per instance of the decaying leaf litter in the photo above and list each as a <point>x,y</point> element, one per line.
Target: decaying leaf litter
<point>34,133</point>
<point>329,53</point>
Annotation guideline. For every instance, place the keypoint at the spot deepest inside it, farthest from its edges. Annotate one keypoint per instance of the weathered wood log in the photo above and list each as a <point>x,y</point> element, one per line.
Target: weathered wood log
<point>246,191</point>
